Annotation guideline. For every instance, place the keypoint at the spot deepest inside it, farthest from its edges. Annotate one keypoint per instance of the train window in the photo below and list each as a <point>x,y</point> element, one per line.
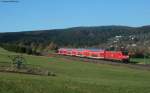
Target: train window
<point>125,52</point>
<point>94,55</point>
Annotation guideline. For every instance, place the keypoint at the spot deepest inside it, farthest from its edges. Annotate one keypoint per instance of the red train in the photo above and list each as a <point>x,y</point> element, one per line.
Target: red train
<point>96,54</point>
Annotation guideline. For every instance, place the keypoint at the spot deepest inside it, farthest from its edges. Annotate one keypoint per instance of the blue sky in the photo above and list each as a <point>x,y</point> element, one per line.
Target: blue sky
<point>55,14</point>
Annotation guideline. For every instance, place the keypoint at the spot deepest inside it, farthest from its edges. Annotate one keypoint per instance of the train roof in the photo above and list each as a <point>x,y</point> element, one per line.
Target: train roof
<point>96,49</point>
<point>82,49</point>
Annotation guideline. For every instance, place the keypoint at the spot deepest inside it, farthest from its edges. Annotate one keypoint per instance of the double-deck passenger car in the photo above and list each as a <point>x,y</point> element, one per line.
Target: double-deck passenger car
<point>96,54</point>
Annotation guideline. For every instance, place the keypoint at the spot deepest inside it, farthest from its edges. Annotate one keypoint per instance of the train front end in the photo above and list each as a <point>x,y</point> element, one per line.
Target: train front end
<point>125,57</point>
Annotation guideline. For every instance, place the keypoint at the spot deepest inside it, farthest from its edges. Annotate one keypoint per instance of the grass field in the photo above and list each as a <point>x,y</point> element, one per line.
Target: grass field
<point>141,60</point>
<point>74,77</point>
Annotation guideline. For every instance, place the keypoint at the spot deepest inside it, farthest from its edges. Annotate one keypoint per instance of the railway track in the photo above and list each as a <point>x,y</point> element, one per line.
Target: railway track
<point>114,63</point>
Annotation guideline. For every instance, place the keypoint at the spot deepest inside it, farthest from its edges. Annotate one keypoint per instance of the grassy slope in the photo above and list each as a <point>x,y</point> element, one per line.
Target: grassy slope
<point>75,77</point>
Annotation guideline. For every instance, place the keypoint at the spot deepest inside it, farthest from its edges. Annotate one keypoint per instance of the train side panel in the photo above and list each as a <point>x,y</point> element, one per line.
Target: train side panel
<point>116,55</point>
<point>74,52</point>
<point>62,51</point>
<point>97,54</point>
<point>86,53</point>
<point>79,53</point>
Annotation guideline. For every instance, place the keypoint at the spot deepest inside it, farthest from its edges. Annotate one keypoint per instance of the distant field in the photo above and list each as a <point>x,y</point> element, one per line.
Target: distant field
<point>74,77</point>
<point>141,60</point>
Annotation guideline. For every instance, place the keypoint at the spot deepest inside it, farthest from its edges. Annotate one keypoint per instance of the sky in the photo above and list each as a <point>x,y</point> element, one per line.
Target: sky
<point>30,15</point>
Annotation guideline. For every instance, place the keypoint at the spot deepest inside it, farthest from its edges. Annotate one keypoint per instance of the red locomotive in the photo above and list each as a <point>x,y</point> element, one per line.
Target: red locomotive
<point>96,54</point>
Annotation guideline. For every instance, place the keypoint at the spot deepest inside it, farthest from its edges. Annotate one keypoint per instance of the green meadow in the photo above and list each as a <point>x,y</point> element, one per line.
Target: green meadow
<point>141,60</point>
<point>74,77</point>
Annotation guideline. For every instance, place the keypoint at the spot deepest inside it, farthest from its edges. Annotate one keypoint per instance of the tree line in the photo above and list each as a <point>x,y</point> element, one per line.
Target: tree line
<point>31,50</point>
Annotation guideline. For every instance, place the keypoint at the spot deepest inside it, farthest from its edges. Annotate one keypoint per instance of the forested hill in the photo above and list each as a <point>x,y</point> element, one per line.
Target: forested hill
<point>77,36</point>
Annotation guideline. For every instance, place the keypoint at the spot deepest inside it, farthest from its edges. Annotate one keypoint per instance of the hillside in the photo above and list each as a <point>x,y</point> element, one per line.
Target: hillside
<point>74,77</point>
<point>100,36</point>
